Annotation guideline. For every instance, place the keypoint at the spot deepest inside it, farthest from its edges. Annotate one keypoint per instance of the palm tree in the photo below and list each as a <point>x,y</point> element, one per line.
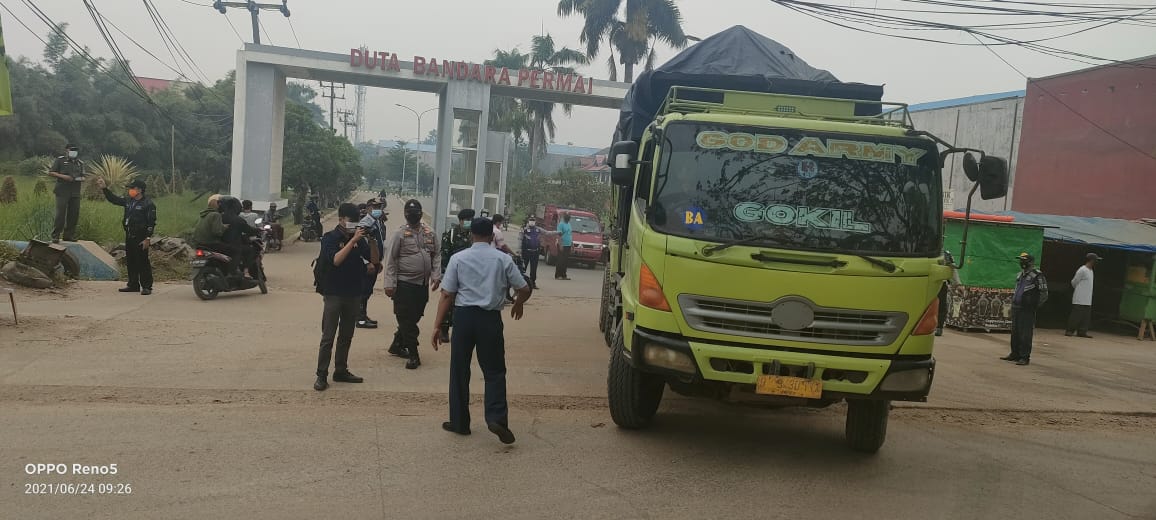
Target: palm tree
<point>534,118</point>
<point>647,22</point>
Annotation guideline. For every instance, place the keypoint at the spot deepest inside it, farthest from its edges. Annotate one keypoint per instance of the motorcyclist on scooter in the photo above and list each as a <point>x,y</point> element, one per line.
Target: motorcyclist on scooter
<point>271,218</point>
<point>314,211</point>
<point>236,235</point>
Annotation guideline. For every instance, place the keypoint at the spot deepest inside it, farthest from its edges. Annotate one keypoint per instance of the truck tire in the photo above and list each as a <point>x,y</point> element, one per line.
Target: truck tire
<point>634,396</point>
<point>604,307</point>
<point>867,424</point>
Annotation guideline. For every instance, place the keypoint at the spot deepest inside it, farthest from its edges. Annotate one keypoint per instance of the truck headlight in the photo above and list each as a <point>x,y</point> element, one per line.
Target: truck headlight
<point>906,381</point>
<point>657,355</point>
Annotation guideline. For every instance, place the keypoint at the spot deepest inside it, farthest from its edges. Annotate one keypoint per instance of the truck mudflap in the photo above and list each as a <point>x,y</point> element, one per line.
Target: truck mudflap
<point>849,376</point>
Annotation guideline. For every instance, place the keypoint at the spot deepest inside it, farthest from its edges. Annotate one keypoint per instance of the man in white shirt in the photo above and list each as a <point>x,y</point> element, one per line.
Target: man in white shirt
<point>1082,283</point>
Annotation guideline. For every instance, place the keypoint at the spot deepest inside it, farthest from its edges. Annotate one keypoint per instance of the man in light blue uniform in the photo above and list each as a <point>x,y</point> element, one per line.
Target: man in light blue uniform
<point>475,284</point>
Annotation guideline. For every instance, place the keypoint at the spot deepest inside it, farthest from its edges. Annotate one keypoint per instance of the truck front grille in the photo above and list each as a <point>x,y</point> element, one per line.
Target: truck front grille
<point>754,319</point>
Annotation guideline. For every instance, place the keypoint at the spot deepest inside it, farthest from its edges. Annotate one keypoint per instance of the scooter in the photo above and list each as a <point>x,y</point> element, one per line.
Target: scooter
<point>268,235</point>
<point>211,275</point>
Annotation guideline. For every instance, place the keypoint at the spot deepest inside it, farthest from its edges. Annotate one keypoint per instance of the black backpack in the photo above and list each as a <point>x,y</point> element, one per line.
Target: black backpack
<point>321,269</point>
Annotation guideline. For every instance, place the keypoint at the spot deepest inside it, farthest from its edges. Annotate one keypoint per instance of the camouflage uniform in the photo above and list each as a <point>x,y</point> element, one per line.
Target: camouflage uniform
<point>456,238</point>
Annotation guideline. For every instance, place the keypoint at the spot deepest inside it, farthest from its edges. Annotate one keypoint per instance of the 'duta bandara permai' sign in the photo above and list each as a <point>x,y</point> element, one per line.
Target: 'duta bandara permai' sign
<point>466,71</point>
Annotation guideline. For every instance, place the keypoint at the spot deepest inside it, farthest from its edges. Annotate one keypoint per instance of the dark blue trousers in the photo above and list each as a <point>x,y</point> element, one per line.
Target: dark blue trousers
<point>475,327</point>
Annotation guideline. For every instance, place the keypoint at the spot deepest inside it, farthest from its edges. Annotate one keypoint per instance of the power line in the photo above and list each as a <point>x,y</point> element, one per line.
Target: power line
<point>164,28</point>
<point>235,31</point>
<point>1065,105</point>
<point>294,31</point>
<point>267,38</point>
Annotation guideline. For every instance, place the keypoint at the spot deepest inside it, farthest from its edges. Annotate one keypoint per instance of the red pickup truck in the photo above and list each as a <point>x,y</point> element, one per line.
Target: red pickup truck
<point>586,234</point>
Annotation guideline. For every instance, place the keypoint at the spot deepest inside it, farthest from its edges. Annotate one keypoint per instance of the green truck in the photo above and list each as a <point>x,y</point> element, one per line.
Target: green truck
<point>778,249</point>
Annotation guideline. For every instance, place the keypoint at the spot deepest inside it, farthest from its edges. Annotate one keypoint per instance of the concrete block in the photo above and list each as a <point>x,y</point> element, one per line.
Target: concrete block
<point>95,262</point>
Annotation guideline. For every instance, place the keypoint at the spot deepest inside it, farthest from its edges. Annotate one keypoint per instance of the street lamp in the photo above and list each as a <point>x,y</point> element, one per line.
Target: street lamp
<point>417,154</point>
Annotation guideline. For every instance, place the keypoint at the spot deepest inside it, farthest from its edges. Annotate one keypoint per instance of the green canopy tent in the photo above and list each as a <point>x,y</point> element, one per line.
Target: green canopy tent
<point>983,298</point>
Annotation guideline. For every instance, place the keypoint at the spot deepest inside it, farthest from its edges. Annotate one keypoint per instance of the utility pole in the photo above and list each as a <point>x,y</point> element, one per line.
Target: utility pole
<point>332,95</point>
<point>347,121</point>
<point>254,8</point>
<point>359,99</point>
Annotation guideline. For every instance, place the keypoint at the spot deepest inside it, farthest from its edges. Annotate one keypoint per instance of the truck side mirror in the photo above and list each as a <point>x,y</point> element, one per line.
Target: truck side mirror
<point>993,177</point>
<point>622,156</point>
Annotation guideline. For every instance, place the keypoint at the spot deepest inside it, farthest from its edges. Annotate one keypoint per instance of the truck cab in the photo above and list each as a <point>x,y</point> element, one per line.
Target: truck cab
<point>777,250</point>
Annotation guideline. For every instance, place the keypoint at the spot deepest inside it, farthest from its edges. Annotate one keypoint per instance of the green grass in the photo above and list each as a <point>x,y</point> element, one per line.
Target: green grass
<point>32,216</point>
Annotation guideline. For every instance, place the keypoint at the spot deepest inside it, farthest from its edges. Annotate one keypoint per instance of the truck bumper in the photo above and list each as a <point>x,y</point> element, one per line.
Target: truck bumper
<point>882,377</point>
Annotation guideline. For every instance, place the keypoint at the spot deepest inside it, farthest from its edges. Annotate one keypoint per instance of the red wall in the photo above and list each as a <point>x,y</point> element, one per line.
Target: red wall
<point>1069,167</point>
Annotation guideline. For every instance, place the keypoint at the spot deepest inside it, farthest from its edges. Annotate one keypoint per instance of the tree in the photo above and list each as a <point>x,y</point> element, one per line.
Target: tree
<point>304,95</point>
<point>570,188</point>
<point>533,118</point>
<point>646,23</point>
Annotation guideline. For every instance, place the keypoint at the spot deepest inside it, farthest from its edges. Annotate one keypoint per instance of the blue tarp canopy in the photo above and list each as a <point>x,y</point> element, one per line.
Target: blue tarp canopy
<point>1109,233</point>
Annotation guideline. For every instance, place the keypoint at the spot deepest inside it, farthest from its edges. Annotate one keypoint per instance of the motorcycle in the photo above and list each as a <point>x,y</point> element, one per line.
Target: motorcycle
<point>268,235</point>
<point>211,275</point>
<point>310,229</point>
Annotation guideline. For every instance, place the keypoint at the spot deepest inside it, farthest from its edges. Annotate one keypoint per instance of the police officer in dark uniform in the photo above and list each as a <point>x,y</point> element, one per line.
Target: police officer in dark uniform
<point>454,239</point>
<point>69,173</point>
<point>413,268</point>
<point>371,221</point>
<point>140,220</point>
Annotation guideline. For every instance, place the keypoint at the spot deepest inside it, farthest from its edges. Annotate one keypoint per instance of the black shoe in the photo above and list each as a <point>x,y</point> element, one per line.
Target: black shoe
<point>1023,362</point>
<point>1010,357</point>
<point>939,331</point>
<point>504,434</point>
<point>347,377</point>
<point>146,292</point>
<point>1083,336</point>
<point>321,384</point>
<point>413,363</point>
<point>129,289</point>
<point>369,320</point>
<point>445,335</point>
<point>1069,334</point>
<point>399,352</point>
<point>449,427</point>
<point>363,324</point>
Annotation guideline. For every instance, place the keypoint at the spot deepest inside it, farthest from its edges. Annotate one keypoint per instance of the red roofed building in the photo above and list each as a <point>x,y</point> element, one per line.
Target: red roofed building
<point>153,85</point>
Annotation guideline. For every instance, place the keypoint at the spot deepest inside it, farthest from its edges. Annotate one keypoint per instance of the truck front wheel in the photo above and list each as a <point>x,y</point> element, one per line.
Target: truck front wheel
<point>867,424</point>
<point>634,395</point>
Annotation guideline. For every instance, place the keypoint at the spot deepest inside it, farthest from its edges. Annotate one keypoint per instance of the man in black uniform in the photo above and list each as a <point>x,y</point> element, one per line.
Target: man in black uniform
<point>69,174</point>
<point>371,221</point>
<point>1030,293</point>
<point>140,220</point>
<point>454,239</point>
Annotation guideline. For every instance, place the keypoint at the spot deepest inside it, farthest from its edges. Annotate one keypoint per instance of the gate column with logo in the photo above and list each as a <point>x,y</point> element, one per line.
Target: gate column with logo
<point>463,117</point>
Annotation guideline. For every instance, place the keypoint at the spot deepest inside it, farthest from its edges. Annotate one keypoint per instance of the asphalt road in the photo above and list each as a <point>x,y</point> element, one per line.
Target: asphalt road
<point>207,410</point>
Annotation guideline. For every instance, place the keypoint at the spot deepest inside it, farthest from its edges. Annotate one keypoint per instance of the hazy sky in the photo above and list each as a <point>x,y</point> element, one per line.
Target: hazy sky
<point>470,30</point>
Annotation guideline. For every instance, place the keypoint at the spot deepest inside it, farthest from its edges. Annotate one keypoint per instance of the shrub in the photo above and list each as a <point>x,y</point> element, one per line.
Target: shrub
<point>41,188</point>
<point>8,191</point>
<point>35,165</point>
<point>116,171</point>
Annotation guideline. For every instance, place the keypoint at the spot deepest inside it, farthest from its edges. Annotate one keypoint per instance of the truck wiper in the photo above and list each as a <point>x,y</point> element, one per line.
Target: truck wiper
<point>707,251</point>
<point>885,265</point>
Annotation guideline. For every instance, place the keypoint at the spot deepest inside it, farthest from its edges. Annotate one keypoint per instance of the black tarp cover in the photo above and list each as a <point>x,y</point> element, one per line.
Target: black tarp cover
<point>735,59</point>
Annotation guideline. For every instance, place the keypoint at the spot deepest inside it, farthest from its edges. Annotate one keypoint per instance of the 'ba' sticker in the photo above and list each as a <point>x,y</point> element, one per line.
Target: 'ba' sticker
<point>808,169</point>
<point>692,218</point>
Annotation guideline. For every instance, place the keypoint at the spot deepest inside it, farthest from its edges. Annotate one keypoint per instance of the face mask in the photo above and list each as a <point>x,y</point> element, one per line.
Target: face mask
<point>1025,264</point>
<point>532,224</point>
<point>413,218</point>
<point>466,223</point>
<point>350,226</point>
<point>133,192</point>
<point>72,154</point>
<point>376,213</point>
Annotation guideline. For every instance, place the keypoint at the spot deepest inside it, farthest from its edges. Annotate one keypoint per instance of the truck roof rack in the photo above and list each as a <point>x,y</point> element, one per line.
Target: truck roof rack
<point>697,100</point>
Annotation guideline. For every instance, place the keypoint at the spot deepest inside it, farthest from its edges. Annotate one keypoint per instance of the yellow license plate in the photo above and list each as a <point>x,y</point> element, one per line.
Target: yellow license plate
<point>789,386</point>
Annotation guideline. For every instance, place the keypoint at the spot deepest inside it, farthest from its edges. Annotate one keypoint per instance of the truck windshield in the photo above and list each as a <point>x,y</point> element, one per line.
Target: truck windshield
<point>801,190</point>
<point>581,224</point>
